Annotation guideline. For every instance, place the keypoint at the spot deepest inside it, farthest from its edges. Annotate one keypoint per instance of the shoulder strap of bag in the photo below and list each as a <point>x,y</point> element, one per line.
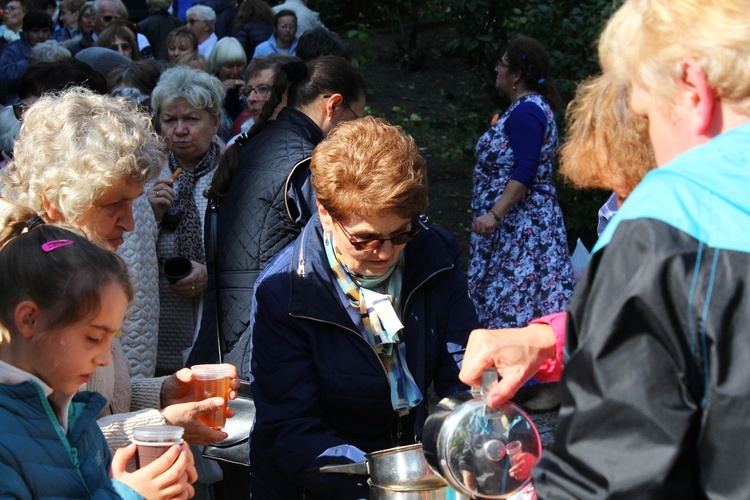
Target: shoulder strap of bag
<point>212,256</point>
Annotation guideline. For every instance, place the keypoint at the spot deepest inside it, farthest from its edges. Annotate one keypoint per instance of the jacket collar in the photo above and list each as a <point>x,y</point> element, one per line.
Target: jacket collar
<point>291,118</point>
<point>310,274</point>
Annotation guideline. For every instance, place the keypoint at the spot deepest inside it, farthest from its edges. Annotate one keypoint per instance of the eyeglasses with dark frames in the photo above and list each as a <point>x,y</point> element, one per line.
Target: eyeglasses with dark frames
<point>261,90</point>
<point>375,243</point>
<point>193,21</point>
<point>108,18</point>
<point>350,109</point>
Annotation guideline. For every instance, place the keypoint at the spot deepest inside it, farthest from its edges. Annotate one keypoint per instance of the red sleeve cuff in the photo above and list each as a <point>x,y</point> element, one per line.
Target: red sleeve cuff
<point>551,370</point>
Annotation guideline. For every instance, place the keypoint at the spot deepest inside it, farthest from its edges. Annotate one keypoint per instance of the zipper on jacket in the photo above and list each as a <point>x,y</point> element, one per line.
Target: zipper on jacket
<point>72,452</point>
<point>428,278</point>
<point>301,271</point>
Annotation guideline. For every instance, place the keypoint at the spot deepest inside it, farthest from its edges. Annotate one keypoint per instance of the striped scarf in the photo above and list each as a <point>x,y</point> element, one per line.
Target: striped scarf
<point>381,322</point>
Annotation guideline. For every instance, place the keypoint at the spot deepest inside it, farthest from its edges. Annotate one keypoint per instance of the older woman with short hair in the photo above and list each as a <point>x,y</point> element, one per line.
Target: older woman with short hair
<point>187,108</point>
<point>331,380</point>
<point>83,159</point>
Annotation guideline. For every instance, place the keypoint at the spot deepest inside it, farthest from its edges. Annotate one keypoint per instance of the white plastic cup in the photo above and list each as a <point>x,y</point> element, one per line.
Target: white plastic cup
<point>513,450</point>
<point>212,381</point>
<point>154,440</point>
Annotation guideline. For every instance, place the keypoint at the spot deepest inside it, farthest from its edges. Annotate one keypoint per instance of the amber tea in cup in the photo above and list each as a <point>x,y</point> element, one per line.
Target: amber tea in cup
<point>212,381</point>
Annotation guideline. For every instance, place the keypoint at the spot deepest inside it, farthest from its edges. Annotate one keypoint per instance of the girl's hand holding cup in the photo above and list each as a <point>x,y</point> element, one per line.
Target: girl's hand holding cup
<point>169,476</point>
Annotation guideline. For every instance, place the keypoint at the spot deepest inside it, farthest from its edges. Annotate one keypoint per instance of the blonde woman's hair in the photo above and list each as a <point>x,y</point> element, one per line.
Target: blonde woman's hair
<point>75,145</point>
<point>228,50</point>
<point>369,167</point>
<point>645,41</point>
<point>608,146</point>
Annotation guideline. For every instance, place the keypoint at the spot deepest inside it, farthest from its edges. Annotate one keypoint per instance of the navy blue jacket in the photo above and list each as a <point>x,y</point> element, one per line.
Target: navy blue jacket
<point>13,64</point>
<point>321,392</point>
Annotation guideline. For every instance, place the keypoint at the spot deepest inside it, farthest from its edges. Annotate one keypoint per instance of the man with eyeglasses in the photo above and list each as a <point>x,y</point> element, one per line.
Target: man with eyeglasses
<point>257,91</point>
<point>201,19</point>
<point>105,11</point>
<point>284,38</point>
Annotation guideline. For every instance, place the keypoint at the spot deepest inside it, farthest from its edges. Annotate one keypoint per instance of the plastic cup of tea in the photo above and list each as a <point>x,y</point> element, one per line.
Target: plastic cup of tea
<point>513,450</point>
<point>212,381</point>
<point>154,440</point>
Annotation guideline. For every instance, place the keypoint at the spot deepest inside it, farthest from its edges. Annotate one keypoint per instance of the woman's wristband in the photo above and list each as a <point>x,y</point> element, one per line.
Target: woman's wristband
<point>495,214</point>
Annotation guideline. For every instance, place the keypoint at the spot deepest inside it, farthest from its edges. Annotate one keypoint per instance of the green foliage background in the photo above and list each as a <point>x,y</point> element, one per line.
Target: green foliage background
<point>568,28</point>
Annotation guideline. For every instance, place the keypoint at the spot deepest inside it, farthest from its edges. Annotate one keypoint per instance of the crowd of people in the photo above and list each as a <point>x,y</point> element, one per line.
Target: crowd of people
<point>236,140</point>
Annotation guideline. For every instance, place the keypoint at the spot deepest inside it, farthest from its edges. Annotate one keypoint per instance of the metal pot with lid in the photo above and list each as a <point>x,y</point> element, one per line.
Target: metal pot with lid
<point>481,452</point>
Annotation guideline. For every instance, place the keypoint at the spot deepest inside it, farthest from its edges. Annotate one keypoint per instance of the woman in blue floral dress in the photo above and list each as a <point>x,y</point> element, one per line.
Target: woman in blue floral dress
<point>519,267</point>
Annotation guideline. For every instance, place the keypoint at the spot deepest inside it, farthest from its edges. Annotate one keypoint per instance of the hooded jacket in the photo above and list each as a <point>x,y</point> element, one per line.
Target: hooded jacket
<point>655,393</point>
<point>321,393</point>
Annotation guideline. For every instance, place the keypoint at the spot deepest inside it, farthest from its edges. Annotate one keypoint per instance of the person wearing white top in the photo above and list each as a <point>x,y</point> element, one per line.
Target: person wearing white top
<point>201,19</point>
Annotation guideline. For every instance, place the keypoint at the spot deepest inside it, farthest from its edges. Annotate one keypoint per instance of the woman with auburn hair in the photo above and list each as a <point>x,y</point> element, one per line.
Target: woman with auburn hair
<point>607,145</point>
<point>363,312</point>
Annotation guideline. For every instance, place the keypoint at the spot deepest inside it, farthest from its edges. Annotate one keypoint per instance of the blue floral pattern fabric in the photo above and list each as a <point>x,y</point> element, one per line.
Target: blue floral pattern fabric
<point>522,270</point>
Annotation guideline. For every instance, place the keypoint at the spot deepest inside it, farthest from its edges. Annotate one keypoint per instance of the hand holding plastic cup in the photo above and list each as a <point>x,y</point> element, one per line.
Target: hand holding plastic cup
<point>212,381</point>
<point>153,441</point>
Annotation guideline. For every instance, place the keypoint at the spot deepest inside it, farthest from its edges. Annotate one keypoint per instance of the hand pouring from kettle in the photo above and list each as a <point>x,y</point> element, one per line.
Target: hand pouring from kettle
<point>481,452</point>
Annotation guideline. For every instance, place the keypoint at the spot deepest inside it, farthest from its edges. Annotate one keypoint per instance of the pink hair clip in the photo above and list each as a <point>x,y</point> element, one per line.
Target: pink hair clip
<point>55,244</point>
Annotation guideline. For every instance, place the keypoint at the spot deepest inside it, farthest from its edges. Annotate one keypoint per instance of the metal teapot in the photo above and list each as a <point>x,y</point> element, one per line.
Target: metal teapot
<point>481,452</point>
